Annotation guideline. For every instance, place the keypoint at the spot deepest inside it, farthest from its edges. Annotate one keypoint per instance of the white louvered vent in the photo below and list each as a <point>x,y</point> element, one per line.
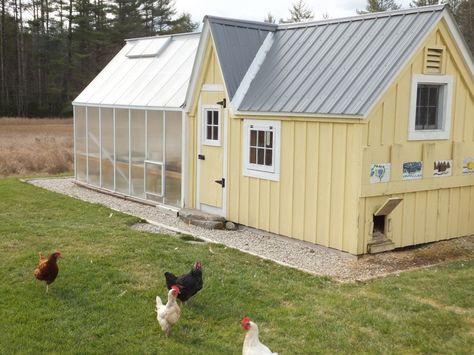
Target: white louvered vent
<point>434,60</point>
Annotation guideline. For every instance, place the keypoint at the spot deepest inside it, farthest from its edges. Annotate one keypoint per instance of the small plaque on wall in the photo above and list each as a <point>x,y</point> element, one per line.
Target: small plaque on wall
<point>468,166</point>
<point>379,173</point>
<point>442,168</point>
<point>412,170</point>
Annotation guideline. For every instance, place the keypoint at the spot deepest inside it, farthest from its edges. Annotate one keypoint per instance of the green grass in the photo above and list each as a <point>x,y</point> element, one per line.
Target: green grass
<point>103,299</point>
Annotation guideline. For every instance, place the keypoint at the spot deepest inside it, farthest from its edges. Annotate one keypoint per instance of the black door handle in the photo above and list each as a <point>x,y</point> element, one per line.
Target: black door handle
<point>201,157</point>
<point>221,182</point>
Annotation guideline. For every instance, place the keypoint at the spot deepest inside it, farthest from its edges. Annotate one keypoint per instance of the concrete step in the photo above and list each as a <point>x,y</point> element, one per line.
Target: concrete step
<point>201,219</point>
<point>380,245</point>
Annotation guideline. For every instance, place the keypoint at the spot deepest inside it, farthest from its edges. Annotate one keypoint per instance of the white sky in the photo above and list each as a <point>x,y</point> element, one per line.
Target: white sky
<point>257,9</point>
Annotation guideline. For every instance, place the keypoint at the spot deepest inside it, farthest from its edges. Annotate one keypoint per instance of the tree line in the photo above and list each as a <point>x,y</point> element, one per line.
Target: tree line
<point>51,49</point>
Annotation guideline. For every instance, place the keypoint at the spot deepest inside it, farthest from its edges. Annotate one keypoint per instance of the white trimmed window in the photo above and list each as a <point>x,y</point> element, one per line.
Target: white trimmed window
<point>430,111</point>
<point>211,129</point>
<point>261,149</point>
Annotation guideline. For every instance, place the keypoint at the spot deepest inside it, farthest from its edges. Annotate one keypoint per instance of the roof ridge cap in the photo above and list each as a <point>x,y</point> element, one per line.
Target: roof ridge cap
<point>361,17</point>
<point>241,23</point>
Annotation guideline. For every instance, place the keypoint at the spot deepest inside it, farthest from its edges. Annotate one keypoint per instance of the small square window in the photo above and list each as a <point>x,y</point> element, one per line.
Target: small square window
<point>211,128</point>
<point>430,113</point>
<point>261,149</point>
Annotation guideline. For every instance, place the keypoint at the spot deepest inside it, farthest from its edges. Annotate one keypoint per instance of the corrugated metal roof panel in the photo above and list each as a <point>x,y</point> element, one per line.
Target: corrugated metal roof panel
<point>153,77</point>
<point>237,43</point>
<point>336,67</point>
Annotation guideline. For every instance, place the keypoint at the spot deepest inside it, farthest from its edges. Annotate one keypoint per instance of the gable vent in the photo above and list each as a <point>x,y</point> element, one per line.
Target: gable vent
<point>434,60</point>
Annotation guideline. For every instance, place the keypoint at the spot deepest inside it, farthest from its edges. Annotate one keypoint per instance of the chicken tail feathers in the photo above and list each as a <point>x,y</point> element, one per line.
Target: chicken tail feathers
<point>159,303</point>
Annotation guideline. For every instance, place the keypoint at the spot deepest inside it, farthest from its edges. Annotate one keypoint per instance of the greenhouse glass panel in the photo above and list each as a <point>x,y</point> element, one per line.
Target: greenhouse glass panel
<point>93,146</point>
<point>155,136</point>
<point>80,143</point>
<point>173,158</point>
<point>121,151</point>
<point>137,144</point>
<point>154,180</point>
<point>107,140</point>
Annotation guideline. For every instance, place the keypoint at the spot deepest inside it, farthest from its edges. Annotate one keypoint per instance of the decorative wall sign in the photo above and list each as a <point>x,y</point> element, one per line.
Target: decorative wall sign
<point>379,173</point>
<point>442,168</point>
<point>468,166</point>
<point>412,170</point>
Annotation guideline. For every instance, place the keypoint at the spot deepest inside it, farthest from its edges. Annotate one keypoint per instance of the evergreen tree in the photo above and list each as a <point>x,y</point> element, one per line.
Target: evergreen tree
<point>465,17</point>
<point>270,18</point>
<point>418,3</point>
<point>299,12</point>
<point>379,6</point>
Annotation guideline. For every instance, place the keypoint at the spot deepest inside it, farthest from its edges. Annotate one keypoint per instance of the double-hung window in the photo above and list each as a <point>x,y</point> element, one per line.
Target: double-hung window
<point>431,102</point>
<point>261,149</point>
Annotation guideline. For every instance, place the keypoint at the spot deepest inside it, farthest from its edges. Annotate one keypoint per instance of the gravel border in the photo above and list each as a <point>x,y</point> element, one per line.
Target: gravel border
<point>305,256</point>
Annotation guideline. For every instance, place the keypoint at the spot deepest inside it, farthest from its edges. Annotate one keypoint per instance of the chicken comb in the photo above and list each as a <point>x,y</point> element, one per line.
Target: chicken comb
<point>176,289</point>
<point>245,321</point>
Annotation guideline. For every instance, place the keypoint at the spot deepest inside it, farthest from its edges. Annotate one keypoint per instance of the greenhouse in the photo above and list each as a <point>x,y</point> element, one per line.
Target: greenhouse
<point>128,123</point>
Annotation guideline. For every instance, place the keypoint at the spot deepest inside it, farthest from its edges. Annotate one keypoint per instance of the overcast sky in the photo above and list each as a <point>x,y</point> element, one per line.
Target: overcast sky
<point>257,9</point>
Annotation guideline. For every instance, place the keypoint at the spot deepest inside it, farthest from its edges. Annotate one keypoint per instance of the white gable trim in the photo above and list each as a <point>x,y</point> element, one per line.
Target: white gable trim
<point>197,66</point>
<point>252,70</point>
<point>460,42</point>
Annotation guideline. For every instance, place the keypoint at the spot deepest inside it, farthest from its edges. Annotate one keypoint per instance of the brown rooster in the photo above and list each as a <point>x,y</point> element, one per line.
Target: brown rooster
<point>47,269</point>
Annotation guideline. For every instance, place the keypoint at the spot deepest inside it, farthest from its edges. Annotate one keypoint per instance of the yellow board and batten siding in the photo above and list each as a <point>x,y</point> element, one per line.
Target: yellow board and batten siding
<point>310,201</point>
<point>433,208</point>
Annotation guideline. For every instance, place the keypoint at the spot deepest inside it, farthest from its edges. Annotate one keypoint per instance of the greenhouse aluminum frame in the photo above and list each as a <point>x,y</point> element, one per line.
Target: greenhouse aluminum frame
<point>129,123</point>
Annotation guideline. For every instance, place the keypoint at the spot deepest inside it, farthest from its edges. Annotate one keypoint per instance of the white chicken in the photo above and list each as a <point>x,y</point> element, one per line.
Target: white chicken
<point>169,313</point>
<point>252,345</point>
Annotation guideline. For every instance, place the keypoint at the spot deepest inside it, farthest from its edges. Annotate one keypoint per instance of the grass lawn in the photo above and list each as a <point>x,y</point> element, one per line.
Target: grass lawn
<point>103,300</point>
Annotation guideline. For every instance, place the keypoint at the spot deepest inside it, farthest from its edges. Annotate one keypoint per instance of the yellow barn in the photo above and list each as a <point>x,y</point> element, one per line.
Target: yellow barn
<point>354,133</point>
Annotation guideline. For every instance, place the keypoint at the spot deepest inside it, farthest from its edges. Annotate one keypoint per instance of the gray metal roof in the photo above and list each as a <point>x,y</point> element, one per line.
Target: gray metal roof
<point>237,43</point>
<point>335,67</point>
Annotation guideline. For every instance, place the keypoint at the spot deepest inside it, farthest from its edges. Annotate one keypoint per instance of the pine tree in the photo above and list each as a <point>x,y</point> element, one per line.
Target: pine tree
<point>419,3</point>
<point>299,12</point>
<point>379,6</point>
<point>465,17</point>
<point>270,18</point>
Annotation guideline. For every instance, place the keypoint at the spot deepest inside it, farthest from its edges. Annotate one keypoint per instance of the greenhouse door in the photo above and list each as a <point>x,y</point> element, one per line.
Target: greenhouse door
<point>211,184</point>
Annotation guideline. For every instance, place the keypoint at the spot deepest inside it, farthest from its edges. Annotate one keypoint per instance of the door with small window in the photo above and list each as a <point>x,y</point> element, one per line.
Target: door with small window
<point>211,181</point>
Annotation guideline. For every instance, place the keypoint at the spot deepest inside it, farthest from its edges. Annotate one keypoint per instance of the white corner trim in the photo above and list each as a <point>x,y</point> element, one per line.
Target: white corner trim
<point>447,103</point>
<point>261,174</point>
<point>252,70</point>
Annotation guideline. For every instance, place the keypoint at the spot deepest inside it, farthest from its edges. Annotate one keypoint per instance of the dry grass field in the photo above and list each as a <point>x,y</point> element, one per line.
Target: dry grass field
<point>35,146</point>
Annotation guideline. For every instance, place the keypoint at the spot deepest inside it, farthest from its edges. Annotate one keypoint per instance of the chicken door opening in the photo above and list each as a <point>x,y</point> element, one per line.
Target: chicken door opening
<point>379,226</point>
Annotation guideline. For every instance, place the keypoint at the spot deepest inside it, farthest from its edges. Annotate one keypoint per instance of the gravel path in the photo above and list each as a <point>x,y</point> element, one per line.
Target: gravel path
<point>293,253</point>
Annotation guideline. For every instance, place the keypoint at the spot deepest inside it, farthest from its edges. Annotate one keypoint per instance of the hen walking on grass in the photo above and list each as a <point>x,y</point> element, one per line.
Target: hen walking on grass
<point>168,314</point>
<point>47,269</point>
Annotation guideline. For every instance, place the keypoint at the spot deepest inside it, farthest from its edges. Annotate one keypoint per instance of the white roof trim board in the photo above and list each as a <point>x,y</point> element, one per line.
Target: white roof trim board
<point>151,72</point>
